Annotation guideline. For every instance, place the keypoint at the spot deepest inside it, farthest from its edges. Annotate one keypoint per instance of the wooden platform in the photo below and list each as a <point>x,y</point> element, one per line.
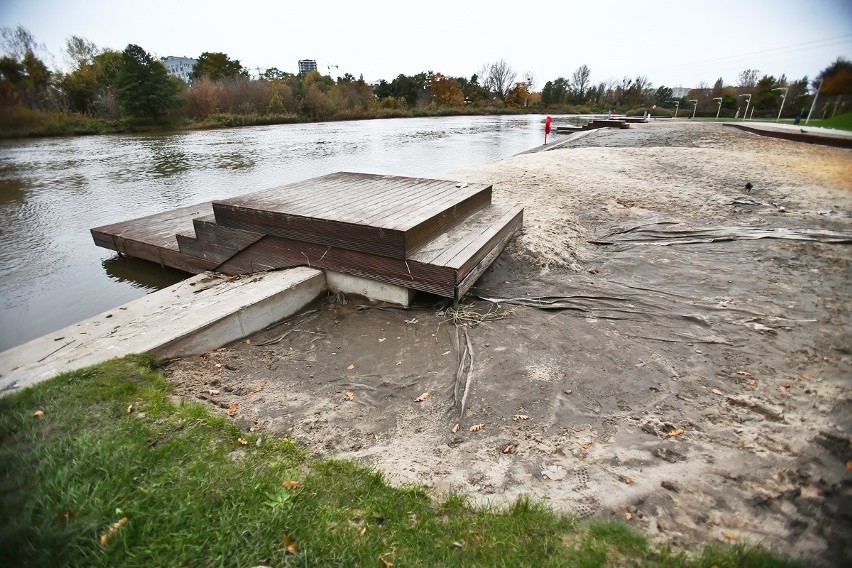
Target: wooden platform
<point>431,235</point>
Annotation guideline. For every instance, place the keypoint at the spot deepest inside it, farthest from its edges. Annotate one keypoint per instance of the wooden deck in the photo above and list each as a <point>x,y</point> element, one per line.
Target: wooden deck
<point>431,235</point>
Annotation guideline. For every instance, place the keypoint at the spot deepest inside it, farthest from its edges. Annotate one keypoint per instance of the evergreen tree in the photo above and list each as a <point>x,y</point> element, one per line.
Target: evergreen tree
<point>145,89</point>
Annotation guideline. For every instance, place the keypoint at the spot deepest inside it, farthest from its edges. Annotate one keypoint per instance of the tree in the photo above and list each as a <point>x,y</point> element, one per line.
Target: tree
<point>836,78</point>
<point>518,95</point>
<point>446,91</point>
<point>555,92</point>
<point>145,89</point>
<point>748,78</point>
<point>275,74</point>
<point>498,77</point>
<point>24,78</point>
<point>663,96</point>
<point>217,65</point>
<point>580,81</point>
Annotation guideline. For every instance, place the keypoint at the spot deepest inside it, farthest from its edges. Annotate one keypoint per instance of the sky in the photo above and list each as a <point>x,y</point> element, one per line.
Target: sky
<point>671,43</point>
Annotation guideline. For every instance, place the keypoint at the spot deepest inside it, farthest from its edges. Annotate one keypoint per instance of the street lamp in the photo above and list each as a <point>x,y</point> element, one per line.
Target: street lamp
<point>720,106</point>
<point>813,104</point>
<point>694,106</point>
<point>748,100</point>
<point>783,99</point>
<point>677,106</point>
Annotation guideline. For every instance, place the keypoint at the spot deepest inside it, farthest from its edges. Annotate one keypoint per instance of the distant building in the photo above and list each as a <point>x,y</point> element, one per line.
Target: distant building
<point>680,92</point>
<point>306,65</point>
<point>180,67</point>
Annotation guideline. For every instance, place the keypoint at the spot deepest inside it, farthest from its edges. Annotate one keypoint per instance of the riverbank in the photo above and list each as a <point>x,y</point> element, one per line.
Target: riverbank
<point>697,387</point>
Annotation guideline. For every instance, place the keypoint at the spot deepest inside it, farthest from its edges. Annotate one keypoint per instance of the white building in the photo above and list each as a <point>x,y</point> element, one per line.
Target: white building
<point>307,65</point>
<point>680,92</point>
<point>180,67</point>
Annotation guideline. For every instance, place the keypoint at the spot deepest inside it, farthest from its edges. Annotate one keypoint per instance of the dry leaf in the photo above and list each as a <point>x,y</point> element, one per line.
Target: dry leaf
<point>291,484</point>
<point>517,417</point>
<point>38,413</point>
<point>213,392</point>
<point>233,408</point>
<point>350,367</point>
<point>476,427</point>
<point>510,449</point>
<point>729,535</point>
<point>363,531</point>
<point>350,395</point>
<point>752,382</point>
<point>783,388</point>
<point>675,432</point>
<point>258,388</point>
<point>807,377</point>
<point>248,341</point>
<point>398,363</point>
<point>626,480</point>
<point>567,391</point>
<point>241,441</point>
<point>586,445</point>
<point>716,391</point>
<point>291,549</point>
<point>109,533</point>
<point>65,517</point>
<point>285,540</point>
<point>628,515</point>
<point>456,427</point>
<point>387,563</point>
<point>422,397</point>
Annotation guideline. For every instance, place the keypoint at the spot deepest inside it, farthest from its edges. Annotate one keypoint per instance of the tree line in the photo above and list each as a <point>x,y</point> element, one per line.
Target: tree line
<point>132,85</point>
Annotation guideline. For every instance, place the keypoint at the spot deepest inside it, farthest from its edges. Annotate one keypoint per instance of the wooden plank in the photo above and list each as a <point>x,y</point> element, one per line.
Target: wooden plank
<point>482,265</point>
<point>158,229</point>
<point>464,249</point>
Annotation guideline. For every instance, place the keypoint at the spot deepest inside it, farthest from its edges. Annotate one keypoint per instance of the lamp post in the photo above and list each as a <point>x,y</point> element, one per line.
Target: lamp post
<point>783,99</point>
<point>694,106</point>
<point>813,104</point>
<point>748,100</point>
<point>719,108</point>
<point>677,106</point>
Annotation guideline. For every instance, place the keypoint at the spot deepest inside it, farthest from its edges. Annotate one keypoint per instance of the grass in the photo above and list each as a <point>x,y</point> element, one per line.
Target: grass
<point>95,481</point>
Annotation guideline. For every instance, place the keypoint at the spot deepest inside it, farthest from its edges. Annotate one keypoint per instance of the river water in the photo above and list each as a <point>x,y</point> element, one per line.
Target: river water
<point>52,191</point>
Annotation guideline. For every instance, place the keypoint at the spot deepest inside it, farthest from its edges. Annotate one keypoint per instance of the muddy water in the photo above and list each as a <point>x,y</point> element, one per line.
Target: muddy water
<point>53,191</point>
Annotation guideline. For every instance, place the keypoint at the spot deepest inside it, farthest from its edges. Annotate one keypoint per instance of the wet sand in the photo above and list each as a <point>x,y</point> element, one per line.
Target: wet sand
<point>693,382</point>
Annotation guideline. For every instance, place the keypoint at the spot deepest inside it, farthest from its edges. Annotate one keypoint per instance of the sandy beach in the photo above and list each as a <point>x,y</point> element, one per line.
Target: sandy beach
<point>662,345</point>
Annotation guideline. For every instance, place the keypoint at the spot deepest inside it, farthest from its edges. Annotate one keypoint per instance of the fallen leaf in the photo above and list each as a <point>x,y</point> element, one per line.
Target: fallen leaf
<point>729,535</point>
<point>258,388</point>
<point>285,540</point>
<point>386,563</point>
<point>109,533</point>
<point>422,397</point>
<point>291,549</point>
<point>398,363</point>
<point>363,531</point>
<point>291,484</point>
<point>517,417</point>
<point>233,408</point>
<point>129,408</point>
<point>626,480</point>
<point>38,413</point>
<point>241,441</point>
<point>586,445</point>
<point>213,392</point>
<point>716,391</point>
<point>457,544</point>
<point>783,388</point>
<point>510,449</point>
<point>350,395</point>
<point>628,515</point>
<point>476,427</point>
<point>752,382</point>
<point>248,341</point>
<point>675,432</point>
<point>456,427</point>
<point>65,517</point>
<point>567,391</point>
<point>350,367</point>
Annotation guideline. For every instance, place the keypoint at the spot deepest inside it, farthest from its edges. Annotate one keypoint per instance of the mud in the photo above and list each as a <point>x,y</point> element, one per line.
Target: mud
<point>699,391</point>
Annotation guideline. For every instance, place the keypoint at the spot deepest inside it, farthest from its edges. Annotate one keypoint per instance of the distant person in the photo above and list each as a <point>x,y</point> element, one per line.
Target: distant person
<point>798,118</point>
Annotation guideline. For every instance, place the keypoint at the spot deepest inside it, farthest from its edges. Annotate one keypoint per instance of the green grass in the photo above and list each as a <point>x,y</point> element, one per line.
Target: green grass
<point>192,495</point>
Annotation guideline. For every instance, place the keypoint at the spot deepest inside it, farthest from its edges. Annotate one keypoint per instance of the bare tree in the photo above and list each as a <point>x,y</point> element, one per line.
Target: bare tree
<point>580,81</point>
<point>498,77</point>
<point>748,78</point>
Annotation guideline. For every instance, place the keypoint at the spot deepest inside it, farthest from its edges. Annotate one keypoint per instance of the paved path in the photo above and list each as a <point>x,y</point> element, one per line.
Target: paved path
<point>798,132</point>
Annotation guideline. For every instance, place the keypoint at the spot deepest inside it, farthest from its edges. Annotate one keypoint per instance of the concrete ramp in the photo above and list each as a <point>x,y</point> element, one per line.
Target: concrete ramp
<point>192,317</point>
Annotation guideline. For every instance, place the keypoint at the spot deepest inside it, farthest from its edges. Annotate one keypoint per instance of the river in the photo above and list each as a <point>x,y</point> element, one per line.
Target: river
<point>52,191</point>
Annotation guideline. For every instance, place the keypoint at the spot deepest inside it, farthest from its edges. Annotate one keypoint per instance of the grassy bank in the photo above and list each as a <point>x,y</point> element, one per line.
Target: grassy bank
<point>103,468</point>
<point>37,124</point>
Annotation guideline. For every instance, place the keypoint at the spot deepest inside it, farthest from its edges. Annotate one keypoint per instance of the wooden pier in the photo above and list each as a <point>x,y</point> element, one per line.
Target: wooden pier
<point>431,235</point>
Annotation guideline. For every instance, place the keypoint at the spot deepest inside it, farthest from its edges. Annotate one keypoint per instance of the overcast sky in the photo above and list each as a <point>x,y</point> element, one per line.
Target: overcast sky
<point>672,43</point>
